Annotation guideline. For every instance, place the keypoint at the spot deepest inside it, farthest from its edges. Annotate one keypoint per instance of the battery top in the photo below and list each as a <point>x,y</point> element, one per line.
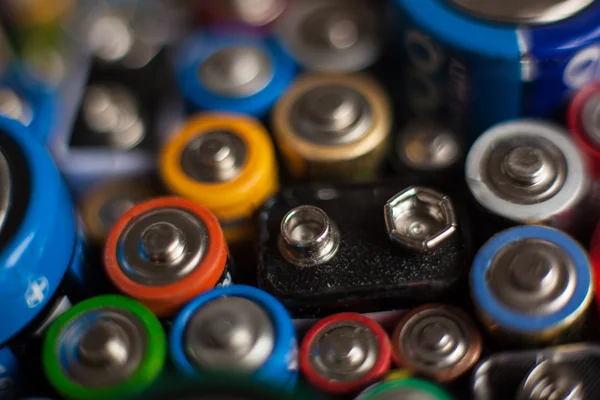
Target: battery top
<point>522,11</point>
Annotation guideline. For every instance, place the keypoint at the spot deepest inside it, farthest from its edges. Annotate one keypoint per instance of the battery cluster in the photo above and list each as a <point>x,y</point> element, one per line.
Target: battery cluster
<point>299,199</point>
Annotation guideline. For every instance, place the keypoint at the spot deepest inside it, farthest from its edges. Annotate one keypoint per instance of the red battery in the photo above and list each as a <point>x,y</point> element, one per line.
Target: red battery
<point>594,254</point>
<point>344,353</point>
<point>584,124</point>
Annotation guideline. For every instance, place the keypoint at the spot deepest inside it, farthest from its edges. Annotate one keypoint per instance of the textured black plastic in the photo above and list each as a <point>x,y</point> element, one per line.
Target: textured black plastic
<point>369,272</point>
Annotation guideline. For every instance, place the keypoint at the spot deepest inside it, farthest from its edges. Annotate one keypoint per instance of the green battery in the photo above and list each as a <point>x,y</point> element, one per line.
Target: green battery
<point>410,388</point>
<point>107,347</point>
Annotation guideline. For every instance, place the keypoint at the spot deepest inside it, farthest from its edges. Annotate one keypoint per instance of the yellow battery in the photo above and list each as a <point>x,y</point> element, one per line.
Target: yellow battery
<point>333,127</point>
<point>33,13</point>
<point>103,204</point>
<point>225,162</point>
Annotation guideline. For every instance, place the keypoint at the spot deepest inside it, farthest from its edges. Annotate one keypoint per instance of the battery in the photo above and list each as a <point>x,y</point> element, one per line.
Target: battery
<point>344,353</point>
<point>333,127</point>
<point>541,53</point>
<point>563,372</point>
<point>584,125</point>
<point>225,162</point>
<point>232,71</point>
<point>333,36</point>
<point>437,341</point>
<point>258,15</point>
<point>105,347</point>
<point>528,172</point>
<point>9,373</point>
<point>410,388</point>
<point>164,252</point>
<point>236,328</point>
<point>532,285</point>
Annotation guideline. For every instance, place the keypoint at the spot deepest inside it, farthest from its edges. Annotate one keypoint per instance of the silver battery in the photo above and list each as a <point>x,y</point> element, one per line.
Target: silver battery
<point>162,246</point>
<point>308,237</point>
<point>113,114</point>
<point>231,333</point>
<point>104,347</point>
<point>14,106</point>
<point>332,35</point>
<point>590,119</point>
<point>527,171</point>
<point>236,71</point>
<point>344,351</point>
<point>254,12</point>
<point>214,157</point>
<point>523,12</point>
<point>550,380</point>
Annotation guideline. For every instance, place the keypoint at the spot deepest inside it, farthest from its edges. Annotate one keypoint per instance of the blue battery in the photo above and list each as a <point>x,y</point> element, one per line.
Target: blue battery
<point>37,231</point>
<point>474,72</point>
<point>228,307</point>
<point>232,72</point>
<point>9,373</point>
<point>559,310</point>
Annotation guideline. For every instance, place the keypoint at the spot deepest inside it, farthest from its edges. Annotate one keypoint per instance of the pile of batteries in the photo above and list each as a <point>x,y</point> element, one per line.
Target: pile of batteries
<point>358,199</point>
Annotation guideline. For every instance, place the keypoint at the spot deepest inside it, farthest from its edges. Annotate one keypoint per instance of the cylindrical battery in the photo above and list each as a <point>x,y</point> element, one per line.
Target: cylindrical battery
<point>232,72</point>
<point>532,285</point>
<point>9,373</point>
<point>258,15</point>
<point>333,127</point>
<point>584,124</point>
<point>107,347</point>
<point>225,162</point>
<point>410,388</point>
<point>541,52</point>
<point>164,252</point>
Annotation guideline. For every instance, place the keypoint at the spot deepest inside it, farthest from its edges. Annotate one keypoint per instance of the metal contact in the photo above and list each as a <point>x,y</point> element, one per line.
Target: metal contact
<point>162,246</point>
<point>519,12</point>
<point>110,38</point>
<point>550,380</point>
<point>216,156</point>
<point>332,35</point>
<point>427,145</point>
<point>331,115</point>
<point>112,113</point>
<point>14,106</point>
<point>532,276</point>
<point>229,333</point>
<point>254,12</point>
<point>344,351</point>
<point>308,237</point>
<point>590,119</point>
<point>6,185</point>
<point>236,71</point>
<point>102,348</point>
<point>437,341</point>
<point>419,218</point>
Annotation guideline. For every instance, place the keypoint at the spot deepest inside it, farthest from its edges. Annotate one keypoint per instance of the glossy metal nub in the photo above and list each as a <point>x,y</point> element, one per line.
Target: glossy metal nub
<point>437,341</point>
<point>426,145</point>
<point>14,106</point>
<point>331,115</point>
<point>590,119</point>
<point>344,351</point>
<point>109,346</point>
<point>236,71</point>
<point>519,12</point>
<point>532,276</point>
<point>550,380</point>
<point>229,333</point>
<point>110,38</point>
<point>308,236</point>
<point>256,12</point>
<point>419,218</point>
<point>216,156</point>
<point>112,112</point>
<point>162,246</point>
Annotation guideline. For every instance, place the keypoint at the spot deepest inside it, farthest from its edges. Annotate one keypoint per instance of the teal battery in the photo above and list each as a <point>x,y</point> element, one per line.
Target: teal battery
<point>475,64</point>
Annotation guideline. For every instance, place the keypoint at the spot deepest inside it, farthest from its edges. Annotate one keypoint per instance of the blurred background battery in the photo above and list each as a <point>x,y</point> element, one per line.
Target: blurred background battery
<point>344,353</point>
<point>232,71</point>
<point>9,373</point>
<point>255,15</point>
<point>236,328</point>
<point>409,388</point>
<point>164,252</point>
<point>333,127</point>
<point>332,35</point>
<point>541,53</point>
<point>107,347</point>
<point>532,285</point>
<point>437,341</point>
<point>225,162</point>
<point>563,372</point>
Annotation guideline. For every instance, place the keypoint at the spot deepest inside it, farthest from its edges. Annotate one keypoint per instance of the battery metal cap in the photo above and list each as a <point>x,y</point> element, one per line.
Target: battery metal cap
<point>551,380</point>
<point>419,218</point>
<point>425,145</point>
<point>523,12</point>
<point>14,106</point>
<point>344,353</point>
<point>164,252</point>
<point>332,35</point>
<point>256,13</point>
<point>584,124</point>
<point>405,389</point>
<point>527,171</point>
